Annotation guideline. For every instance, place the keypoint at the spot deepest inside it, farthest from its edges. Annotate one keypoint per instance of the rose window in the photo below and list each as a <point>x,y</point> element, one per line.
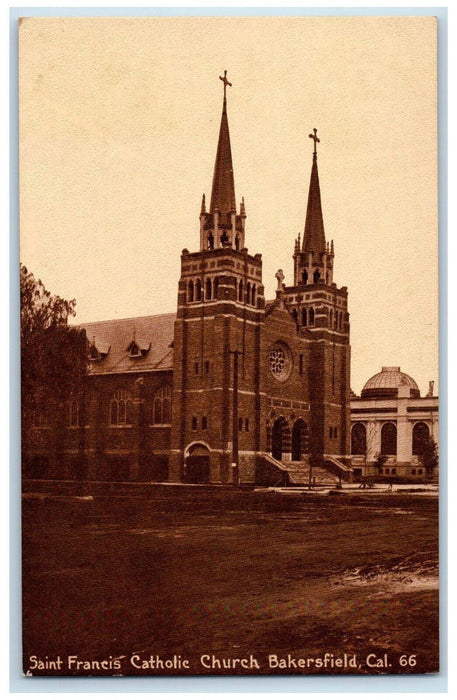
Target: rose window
<point>279,360</point>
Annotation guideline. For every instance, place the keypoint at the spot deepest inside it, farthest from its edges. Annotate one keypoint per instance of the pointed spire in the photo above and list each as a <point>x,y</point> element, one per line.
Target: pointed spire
<point>203,207</point>
<point>297,245</point>
<point>223,192</point>
<point>242,207</point>
<point>314,235</point>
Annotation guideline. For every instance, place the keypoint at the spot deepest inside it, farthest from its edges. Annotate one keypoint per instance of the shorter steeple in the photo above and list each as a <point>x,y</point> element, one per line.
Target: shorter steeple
<point>313,259</point>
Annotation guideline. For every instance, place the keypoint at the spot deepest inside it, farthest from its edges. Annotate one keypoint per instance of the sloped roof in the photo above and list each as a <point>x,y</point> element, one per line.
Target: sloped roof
<point>117,335</point>
<point>278,304</point>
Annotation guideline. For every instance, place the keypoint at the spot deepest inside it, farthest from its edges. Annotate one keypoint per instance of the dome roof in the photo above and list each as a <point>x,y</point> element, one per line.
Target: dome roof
<point>386,383</point>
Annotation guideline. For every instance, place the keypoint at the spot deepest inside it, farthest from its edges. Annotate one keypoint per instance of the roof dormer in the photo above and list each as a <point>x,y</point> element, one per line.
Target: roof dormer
<point>138,348</point>
<point>98,350</point>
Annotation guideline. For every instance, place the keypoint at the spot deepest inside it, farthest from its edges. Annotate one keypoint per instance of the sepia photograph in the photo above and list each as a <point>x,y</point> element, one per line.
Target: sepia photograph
<point>229,345</point>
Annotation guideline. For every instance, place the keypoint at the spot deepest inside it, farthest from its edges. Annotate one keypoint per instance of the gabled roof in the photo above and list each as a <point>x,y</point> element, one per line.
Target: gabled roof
<point>154,332</point>
<point>279,304</point>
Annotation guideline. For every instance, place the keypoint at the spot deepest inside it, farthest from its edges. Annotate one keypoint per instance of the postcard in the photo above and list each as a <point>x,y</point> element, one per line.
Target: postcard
<point>229,345</point>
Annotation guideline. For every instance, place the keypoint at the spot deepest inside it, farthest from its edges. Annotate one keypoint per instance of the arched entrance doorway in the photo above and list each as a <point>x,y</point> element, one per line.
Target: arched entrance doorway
<point>197,469</point>
<point>280,438</point>
<point>300,440</point>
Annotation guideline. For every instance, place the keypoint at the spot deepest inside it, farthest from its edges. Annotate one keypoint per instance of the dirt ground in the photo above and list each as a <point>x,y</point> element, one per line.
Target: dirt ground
<point>188,580</point>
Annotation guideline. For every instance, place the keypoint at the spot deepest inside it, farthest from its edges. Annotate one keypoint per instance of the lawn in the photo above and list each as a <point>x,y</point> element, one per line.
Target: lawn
<point>167,580</point>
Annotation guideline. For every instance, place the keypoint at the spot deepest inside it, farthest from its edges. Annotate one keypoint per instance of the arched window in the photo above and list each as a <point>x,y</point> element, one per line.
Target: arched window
<point>358,439</point>
<point>240,291</point>
<point>248,293</point>
<point>237,242</point>
<point>161,408</point>
<point>73,413</point>
<point>253,295</point>
<point>330,319</point>
<point>311,316</point>
<point>198,290</point>
<point>304,317</point>
<point>208,289</point>
<point>305,276</point>
<point>121,408</point>
<point>316,275</point>
<point>215,287</point>
<point>421,435</point>
<point>210,241</point>
<point>389,439</point>
<point>190,291</point>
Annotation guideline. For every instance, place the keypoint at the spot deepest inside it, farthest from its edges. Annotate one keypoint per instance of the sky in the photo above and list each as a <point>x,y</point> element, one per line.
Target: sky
<point>118,127</point>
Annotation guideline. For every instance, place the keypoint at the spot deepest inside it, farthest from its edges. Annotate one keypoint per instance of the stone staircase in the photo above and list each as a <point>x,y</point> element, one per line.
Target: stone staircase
<point>336,467</point>
<point>298,473</point>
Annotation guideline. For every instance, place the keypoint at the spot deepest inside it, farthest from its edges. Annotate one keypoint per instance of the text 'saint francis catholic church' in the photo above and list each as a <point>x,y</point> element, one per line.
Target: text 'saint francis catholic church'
<point>230,389</point>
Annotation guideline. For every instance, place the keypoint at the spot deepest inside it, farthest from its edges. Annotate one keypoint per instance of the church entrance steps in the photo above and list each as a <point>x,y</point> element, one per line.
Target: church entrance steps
<point>338,468</point>
<point>300,473</point>
<point>272,472</point>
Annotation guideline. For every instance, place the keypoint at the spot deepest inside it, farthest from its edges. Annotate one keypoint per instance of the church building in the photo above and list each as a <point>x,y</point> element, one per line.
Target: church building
<point>229,389</point>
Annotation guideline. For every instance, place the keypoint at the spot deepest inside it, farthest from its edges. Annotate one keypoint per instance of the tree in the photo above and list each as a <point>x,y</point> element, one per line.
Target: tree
<point>428,455</point>
<point>379,463</point>
<point>54,357</point>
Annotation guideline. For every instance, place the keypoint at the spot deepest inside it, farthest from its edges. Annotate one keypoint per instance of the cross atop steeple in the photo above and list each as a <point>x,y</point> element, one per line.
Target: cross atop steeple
<point>226,82</point>
<point>315,139</point>
<point>314,236</point>
<point>223,192</point>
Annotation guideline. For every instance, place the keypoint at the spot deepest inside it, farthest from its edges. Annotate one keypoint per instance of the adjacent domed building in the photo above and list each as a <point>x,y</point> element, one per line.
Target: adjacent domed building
<point>391,418</point>
<point>386,383</point>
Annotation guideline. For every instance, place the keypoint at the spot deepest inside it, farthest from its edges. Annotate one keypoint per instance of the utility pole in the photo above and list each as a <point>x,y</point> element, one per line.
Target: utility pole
<point>235,418</point>
<point>235,455</point>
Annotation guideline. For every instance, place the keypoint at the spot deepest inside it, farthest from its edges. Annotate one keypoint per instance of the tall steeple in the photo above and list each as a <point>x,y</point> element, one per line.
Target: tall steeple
<point>223,192</point>
<point>221,226</point>
<point>314,235</point>
<point>313,260</point>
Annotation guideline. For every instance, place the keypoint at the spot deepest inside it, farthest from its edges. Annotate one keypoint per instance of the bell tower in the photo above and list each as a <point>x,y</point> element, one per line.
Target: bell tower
<point>221,305</point>
<point>320,309</point>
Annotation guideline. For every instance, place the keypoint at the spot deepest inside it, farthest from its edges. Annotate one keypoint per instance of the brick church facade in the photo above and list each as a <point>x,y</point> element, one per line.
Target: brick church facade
<point>230,389</point>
